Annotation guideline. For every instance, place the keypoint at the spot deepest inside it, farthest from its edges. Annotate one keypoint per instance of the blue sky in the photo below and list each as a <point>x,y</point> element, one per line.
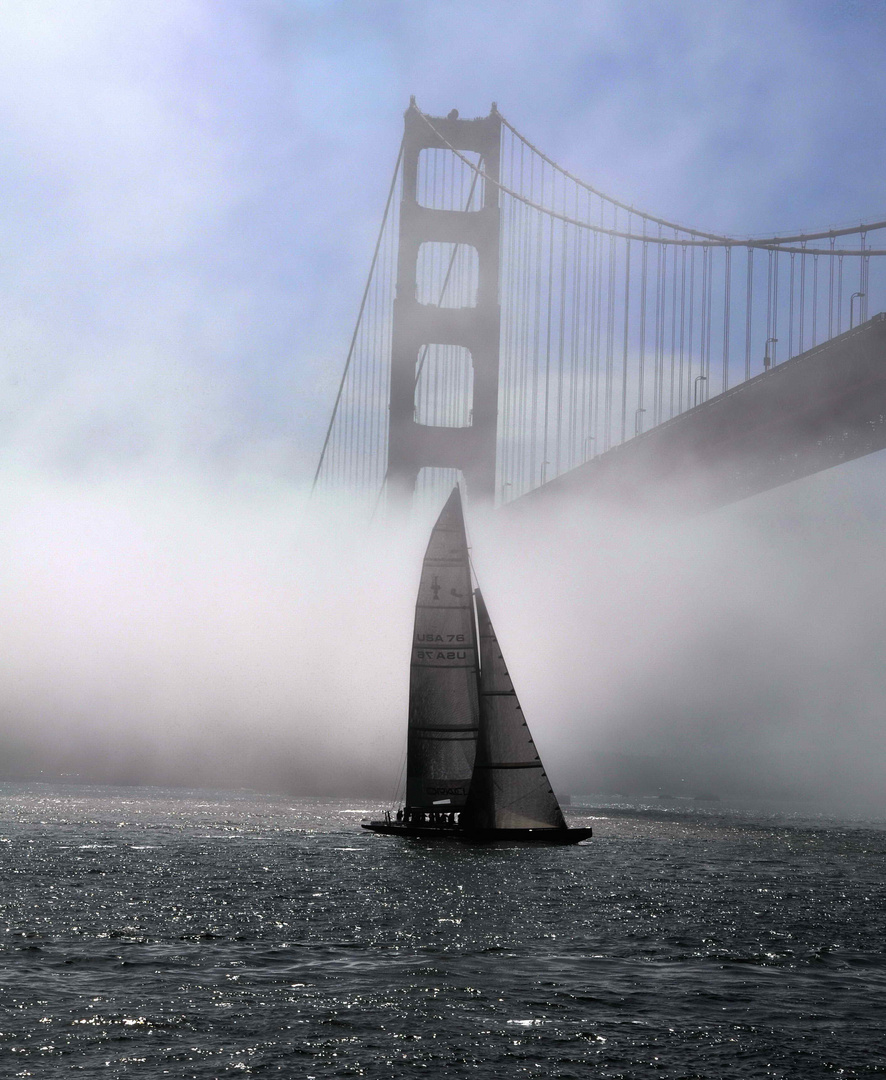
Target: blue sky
<point>191,189</point>
<point>189,196</point>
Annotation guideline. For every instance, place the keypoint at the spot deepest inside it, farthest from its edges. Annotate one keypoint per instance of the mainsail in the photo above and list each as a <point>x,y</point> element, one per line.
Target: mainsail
<point>509,788</point>
<point>443,707</point>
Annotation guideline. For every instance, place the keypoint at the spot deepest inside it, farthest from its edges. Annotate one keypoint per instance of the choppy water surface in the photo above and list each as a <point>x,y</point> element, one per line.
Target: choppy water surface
<point>190,934</point>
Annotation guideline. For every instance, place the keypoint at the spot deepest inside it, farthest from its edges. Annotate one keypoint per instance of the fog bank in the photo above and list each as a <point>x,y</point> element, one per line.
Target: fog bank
<point>192,632</point>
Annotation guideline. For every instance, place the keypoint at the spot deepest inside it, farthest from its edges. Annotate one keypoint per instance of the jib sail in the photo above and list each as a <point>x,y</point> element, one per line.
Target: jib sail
<point>509,789</point>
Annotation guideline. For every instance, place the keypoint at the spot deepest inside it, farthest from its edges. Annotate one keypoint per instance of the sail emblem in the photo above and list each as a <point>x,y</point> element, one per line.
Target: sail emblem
<point>435,585</point>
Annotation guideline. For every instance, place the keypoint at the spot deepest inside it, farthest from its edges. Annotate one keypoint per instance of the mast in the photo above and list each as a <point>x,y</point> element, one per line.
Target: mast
<point>509,788</point>
<point>443,703</point>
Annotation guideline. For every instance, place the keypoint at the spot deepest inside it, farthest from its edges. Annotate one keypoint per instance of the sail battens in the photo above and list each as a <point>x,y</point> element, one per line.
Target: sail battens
<point>439,737</point>
<point>447,727</point>
<point>441,607</point>
<point>511,765</point>
<point>498,693</point>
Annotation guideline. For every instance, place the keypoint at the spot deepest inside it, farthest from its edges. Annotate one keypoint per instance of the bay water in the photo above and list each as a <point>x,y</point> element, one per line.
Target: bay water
<point>156,932</point>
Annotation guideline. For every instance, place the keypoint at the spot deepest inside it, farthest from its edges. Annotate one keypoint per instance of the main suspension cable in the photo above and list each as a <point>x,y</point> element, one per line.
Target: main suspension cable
<point>344,375</point>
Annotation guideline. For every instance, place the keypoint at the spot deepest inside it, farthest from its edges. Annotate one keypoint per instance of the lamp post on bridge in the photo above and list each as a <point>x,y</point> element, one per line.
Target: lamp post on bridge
<point>767,359</point>
<point>698,379</point>
<point>852,299</point>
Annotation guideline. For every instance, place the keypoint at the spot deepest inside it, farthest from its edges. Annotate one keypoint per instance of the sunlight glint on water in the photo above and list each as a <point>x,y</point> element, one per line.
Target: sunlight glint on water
<point>215,934</point>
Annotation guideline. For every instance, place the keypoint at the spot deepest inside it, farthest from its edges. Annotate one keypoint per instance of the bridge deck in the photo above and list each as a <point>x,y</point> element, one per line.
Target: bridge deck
<point>821,408</point>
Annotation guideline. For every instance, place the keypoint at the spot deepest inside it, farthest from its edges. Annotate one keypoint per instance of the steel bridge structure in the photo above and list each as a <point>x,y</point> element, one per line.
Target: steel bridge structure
<point>541,339</point>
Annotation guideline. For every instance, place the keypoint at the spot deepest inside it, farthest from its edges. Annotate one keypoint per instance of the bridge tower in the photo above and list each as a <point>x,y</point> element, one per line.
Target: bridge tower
<point>413,445</point>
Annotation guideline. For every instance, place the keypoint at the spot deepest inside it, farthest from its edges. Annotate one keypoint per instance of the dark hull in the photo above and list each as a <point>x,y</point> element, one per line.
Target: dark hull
<point>480,836</point>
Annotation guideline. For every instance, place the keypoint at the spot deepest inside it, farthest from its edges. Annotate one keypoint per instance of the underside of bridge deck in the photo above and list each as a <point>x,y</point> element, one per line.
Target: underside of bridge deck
<point>823,407</point>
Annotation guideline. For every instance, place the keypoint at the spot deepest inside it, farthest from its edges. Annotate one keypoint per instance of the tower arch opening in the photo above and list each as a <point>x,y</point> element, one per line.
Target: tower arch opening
<point>446,182</point>
<point>447,275</point>
<point>444,386</point>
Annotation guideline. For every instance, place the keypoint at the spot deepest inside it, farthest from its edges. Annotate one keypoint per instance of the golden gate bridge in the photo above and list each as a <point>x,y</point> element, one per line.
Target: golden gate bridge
<point>528,331</point>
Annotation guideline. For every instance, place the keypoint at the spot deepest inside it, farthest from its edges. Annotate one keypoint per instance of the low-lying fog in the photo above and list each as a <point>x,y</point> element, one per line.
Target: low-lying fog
<point>190,634</point>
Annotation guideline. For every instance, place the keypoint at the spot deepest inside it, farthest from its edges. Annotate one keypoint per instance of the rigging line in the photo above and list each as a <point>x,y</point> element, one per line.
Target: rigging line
<point>707,239</point>
<point>399,785</point>
<point>359,314</point>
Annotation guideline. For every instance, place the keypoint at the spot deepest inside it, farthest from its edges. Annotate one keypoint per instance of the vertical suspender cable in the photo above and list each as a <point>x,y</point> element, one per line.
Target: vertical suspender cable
<point>550,306</point>
<point>624,357</point>
<point>673,326</point>
<point>682,326</point>
<point>831,292</point>
<point>727,314</point>
<point>749,310</point>
<point>689,399</point>
<point>802,297</point>
<point>642,362</point>
<point>774,306</point>
<point>814,300</point>
<point>709,317</point>
<point>561,346</point>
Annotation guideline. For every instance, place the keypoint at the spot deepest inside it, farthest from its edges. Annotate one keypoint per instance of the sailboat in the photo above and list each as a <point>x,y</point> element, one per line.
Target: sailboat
<point>473,772</point>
